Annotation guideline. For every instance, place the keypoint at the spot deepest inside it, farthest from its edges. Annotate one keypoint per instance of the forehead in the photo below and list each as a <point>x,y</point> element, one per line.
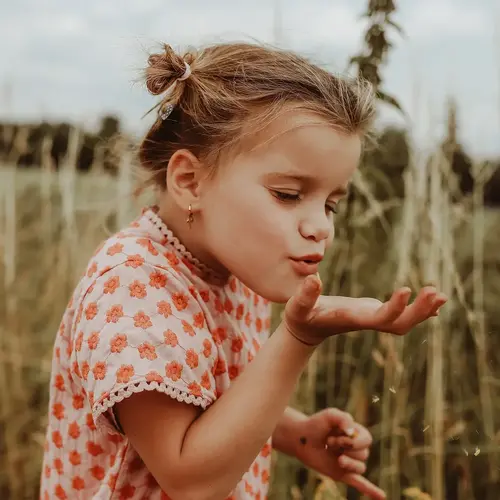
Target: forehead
<point>299,143</point>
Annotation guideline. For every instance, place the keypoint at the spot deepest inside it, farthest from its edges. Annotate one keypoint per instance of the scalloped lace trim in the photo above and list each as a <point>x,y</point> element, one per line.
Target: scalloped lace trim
<point>153,216</point>
<point>134,387</point>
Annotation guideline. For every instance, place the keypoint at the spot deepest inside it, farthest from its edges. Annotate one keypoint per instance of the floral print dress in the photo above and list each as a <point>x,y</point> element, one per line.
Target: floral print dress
<point>146,315</point>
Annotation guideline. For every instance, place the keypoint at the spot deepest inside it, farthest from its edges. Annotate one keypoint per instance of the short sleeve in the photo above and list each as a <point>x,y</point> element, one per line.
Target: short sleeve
<point>139,328</point>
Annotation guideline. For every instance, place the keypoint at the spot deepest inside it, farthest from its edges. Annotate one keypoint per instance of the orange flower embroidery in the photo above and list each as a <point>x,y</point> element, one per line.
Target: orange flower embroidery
<point>154,377</point>
<point>173,370</point>
<point>118,343</point>
<point>134,261</point>
<point>137,290</point>
<point>78,483</point>
<point>199,320</point>
<point>266,450</point>
<point>170,338</point>
<point>74,430</point>
<point>265,476</point>
<point>219,307</point>
<point>60,492</point>
<point>234,371</point>
<point>58,465</point>
<point>172,259</point>
<point>164,308</point>
<point>92,269</point>
<point>157,280</point>
<point>90,422</point>
<point>57,439</point>
<point>207,348</point>
<point>232,284</point>
<point>188,328</point>
<point>219,335</point>
<point>75,458</point>
<point>255,469</point>
<point>142,320</point>
<point>191,358</point>
<point>256,345</point>
<point>146,243</point>
<point>112,284</point>
<point>78,342</point>
<point>205,381</point>
<point>58,411</point>
<point>180,301</point>
<point>59,382</point>
<point>237,344</point>
<point>97,472</point>
<point>228,306</point>
<point>258,325</point>
<point>127,491</point>
<point>91,311</point>
<point>114,249</point>
<point>94,449</point>
<point>147,350</point>
<point>99,370</point>
<point>194,389</point>
<point>93,340</point>
<point>240,311</point>
<point>112,481</point>
<point>124,373</point>
<point>205,295</point>
<point>267,323</point>
<point>78,401</point>
<point>220,367</point>
<point>114,313</point>
<point>248,319</point>
<point>85,370</point>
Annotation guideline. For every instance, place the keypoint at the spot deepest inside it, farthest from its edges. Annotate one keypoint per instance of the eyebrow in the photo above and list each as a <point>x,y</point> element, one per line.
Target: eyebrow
<point>307,179</point>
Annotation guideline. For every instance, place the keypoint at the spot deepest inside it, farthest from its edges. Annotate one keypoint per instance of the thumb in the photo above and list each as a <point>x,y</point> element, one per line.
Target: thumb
<point>303,301</point>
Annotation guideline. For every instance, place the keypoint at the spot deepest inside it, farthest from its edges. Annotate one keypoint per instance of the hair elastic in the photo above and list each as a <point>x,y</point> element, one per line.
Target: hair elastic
<point>167,110</point>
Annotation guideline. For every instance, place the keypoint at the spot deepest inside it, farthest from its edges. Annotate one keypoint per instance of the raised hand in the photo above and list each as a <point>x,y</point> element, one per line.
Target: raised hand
<point>312,317</point>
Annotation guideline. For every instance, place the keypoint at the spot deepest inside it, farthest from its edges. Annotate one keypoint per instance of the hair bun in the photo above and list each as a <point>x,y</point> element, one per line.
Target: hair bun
<point>163,70</point>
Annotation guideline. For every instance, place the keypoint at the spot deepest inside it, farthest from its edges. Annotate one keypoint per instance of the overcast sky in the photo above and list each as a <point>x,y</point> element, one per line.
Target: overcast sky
<point>77,60</point>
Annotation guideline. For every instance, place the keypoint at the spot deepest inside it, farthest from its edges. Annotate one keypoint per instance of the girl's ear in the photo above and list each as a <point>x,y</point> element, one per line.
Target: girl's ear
<point>184,175</point>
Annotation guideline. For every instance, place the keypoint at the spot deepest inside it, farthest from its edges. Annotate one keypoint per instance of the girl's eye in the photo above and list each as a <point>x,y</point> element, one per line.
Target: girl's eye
<point>332,208</point>
<point>286,196</point>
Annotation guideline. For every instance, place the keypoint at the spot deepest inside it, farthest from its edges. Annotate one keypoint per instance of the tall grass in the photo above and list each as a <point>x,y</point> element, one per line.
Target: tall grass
<point>430,399</point>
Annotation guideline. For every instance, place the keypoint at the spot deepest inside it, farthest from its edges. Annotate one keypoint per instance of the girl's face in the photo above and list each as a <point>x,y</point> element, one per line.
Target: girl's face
<point>268,216</point>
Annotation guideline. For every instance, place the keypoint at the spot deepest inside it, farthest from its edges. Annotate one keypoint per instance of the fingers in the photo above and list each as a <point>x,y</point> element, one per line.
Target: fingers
<point>361,455</point>
<point>340,421</point>
<point>425,305</point>
<point>394,307</point>
<point>364,486</point>
<point>300,305</point>
<point>352,465</point>
<point>439,301</point>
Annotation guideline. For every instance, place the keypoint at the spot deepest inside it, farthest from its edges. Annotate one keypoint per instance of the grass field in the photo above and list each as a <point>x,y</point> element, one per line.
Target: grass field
<point>430,399</point>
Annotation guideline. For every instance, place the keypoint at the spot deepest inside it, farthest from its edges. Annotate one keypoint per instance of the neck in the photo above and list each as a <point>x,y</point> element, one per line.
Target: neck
<point>191,237</point>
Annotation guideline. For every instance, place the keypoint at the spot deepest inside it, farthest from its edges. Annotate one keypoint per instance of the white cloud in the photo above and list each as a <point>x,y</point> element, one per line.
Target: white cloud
<point>446,18</point>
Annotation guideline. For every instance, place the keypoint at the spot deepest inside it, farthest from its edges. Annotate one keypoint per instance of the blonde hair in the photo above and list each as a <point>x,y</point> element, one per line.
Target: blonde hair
<point>236,88</point>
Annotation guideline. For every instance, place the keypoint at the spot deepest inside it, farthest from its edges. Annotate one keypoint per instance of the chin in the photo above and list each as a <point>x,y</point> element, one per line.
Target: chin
<point>279,294</point>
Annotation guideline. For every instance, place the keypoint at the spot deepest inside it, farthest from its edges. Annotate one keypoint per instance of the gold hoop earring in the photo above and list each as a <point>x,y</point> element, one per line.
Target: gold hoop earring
<point>190,218</point>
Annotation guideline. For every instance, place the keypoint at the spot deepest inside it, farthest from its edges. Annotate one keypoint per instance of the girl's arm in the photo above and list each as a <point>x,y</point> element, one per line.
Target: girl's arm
<point>203,456</point>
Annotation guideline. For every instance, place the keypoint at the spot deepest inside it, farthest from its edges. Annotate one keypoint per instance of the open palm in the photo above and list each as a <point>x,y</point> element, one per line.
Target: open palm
<point>312,317</point>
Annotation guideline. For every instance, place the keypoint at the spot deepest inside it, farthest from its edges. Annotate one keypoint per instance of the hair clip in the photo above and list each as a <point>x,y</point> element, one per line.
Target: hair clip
<point>166,111</point>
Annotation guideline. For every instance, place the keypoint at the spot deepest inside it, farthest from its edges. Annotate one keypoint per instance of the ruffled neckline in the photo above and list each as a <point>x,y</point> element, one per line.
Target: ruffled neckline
<point>199,268</point>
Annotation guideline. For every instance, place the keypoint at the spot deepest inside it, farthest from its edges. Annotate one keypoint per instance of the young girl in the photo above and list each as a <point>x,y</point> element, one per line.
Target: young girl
<point>165,384</point>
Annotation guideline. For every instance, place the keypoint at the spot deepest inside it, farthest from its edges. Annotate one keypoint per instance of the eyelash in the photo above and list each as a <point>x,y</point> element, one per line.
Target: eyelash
<point>290,197</point>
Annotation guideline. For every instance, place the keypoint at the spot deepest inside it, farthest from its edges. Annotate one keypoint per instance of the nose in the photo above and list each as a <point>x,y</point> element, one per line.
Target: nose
<point>318,227</point>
